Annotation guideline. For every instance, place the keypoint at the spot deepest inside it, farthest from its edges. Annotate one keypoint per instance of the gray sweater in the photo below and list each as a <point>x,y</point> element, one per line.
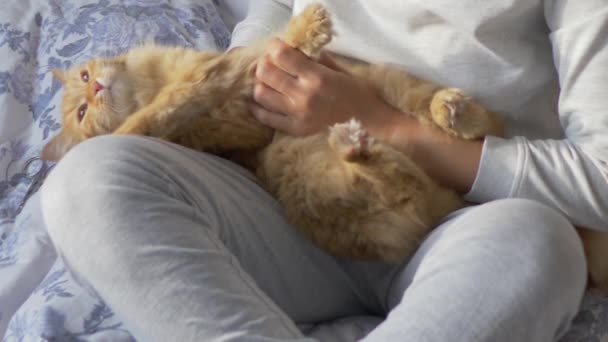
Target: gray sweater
<point>543,64</point>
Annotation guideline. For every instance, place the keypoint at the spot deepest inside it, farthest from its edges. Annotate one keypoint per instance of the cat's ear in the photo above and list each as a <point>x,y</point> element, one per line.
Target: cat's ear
<point>59,74</point>
<point>57,147</point>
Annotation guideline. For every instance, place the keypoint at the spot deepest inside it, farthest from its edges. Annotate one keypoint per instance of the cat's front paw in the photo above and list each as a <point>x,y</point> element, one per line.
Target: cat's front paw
<point>350,141</point>
<point>319,25</point>
<point>458,114</point>
<point>133,127</point>
<point>310,31</point>
<point>448,106</point>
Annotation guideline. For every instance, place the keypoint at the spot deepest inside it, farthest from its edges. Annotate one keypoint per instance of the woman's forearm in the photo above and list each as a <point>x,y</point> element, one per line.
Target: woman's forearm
<point>451,161</point>
<point>300,96</point>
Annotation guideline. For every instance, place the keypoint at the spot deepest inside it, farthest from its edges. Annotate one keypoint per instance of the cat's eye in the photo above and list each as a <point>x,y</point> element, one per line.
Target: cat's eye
<point>84,75</point>
<point>82,110</point>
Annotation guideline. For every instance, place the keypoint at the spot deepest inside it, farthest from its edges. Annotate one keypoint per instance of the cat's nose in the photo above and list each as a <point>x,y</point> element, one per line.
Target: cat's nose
<point>98,87</point>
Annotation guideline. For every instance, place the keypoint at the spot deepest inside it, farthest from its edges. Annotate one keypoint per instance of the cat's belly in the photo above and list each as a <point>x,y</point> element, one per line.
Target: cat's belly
<point>356,210</point>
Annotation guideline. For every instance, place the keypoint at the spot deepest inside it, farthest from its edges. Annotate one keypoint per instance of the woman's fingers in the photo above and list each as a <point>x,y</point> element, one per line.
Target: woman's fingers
<point>327,60</point>
<point>298,95</point>
<point>271,99</point>
<point>275,77</point>
<point>290,60</point>
<point>272,119</point>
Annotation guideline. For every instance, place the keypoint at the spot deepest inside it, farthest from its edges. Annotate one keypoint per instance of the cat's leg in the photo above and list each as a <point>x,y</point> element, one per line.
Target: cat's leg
<point>309,31</point>
<point>172,108</point>
<point>217,136</point>
<point>395,176</point>
<point>458,114</point>
<point>402,202</point>
<point>350,141</point>
<point>595,243</point>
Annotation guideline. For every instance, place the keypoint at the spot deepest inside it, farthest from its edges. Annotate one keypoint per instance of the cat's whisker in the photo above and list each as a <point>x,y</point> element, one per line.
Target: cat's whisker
<point>114,109</point>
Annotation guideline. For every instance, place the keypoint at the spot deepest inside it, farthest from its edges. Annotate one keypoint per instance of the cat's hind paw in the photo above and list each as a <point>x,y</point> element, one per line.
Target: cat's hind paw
<point>351,141</point>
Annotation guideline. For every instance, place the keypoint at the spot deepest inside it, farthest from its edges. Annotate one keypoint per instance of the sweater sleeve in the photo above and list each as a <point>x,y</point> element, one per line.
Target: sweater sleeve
<point>570,175</point>
<point>264,17</point>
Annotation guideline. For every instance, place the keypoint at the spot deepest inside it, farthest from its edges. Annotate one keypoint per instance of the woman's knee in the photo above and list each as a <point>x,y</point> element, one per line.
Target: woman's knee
<point>111,178</point>
<point>536,228</point>
<point>88,163</point>
<point>530,221</point>
<point>547,244</point>
<point>87,179</point>
<point>99,160</point>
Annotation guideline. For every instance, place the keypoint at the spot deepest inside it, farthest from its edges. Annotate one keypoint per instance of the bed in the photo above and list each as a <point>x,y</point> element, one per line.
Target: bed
<point>38,298</point>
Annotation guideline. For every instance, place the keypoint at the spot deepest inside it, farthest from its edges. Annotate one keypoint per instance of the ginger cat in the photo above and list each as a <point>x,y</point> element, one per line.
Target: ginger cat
<point>354,196</point>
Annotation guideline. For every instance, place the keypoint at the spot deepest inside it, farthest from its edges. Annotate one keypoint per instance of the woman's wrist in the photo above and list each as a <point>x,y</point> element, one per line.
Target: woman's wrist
<point>451,161</point>
<point>402,131</point>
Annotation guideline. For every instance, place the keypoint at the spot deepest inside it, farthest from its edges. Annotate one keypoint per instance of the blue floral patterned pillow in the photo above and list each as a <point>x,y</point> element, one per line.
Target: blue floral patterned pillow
<point>36,36</point>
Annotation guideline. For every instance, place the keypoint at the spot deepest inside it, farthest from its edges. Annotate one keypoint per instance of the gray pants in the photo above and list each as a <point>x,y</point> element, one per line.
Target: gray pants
<point>185,246</point>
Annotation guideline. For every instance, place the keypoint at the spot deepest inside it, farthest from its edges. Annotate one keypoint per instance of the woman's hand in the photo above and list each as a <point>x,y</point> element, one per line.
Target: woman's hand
<point>300,96</point>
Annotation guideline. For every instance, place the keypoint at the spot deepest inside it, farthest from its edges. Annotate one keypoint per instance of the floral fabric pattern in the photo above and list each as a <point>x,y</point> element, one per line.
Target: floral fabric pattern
<point>39,299</point>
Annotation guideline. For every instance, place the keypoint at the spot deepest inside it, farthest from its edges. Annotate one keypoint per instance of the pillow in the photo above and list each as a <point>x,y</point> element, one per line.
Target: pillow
<point>36,36</point>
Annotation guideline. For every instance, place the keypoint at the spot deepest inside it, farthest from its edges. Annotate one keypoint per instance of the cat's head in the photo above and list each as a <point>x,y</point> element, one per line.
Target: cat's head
<point>97,98</point>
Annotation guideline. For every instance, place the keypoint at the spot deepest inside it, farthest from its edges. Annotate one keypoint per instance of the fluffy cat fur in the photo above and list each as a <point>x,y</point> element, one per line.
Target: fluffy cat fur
<point>353,195</point>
